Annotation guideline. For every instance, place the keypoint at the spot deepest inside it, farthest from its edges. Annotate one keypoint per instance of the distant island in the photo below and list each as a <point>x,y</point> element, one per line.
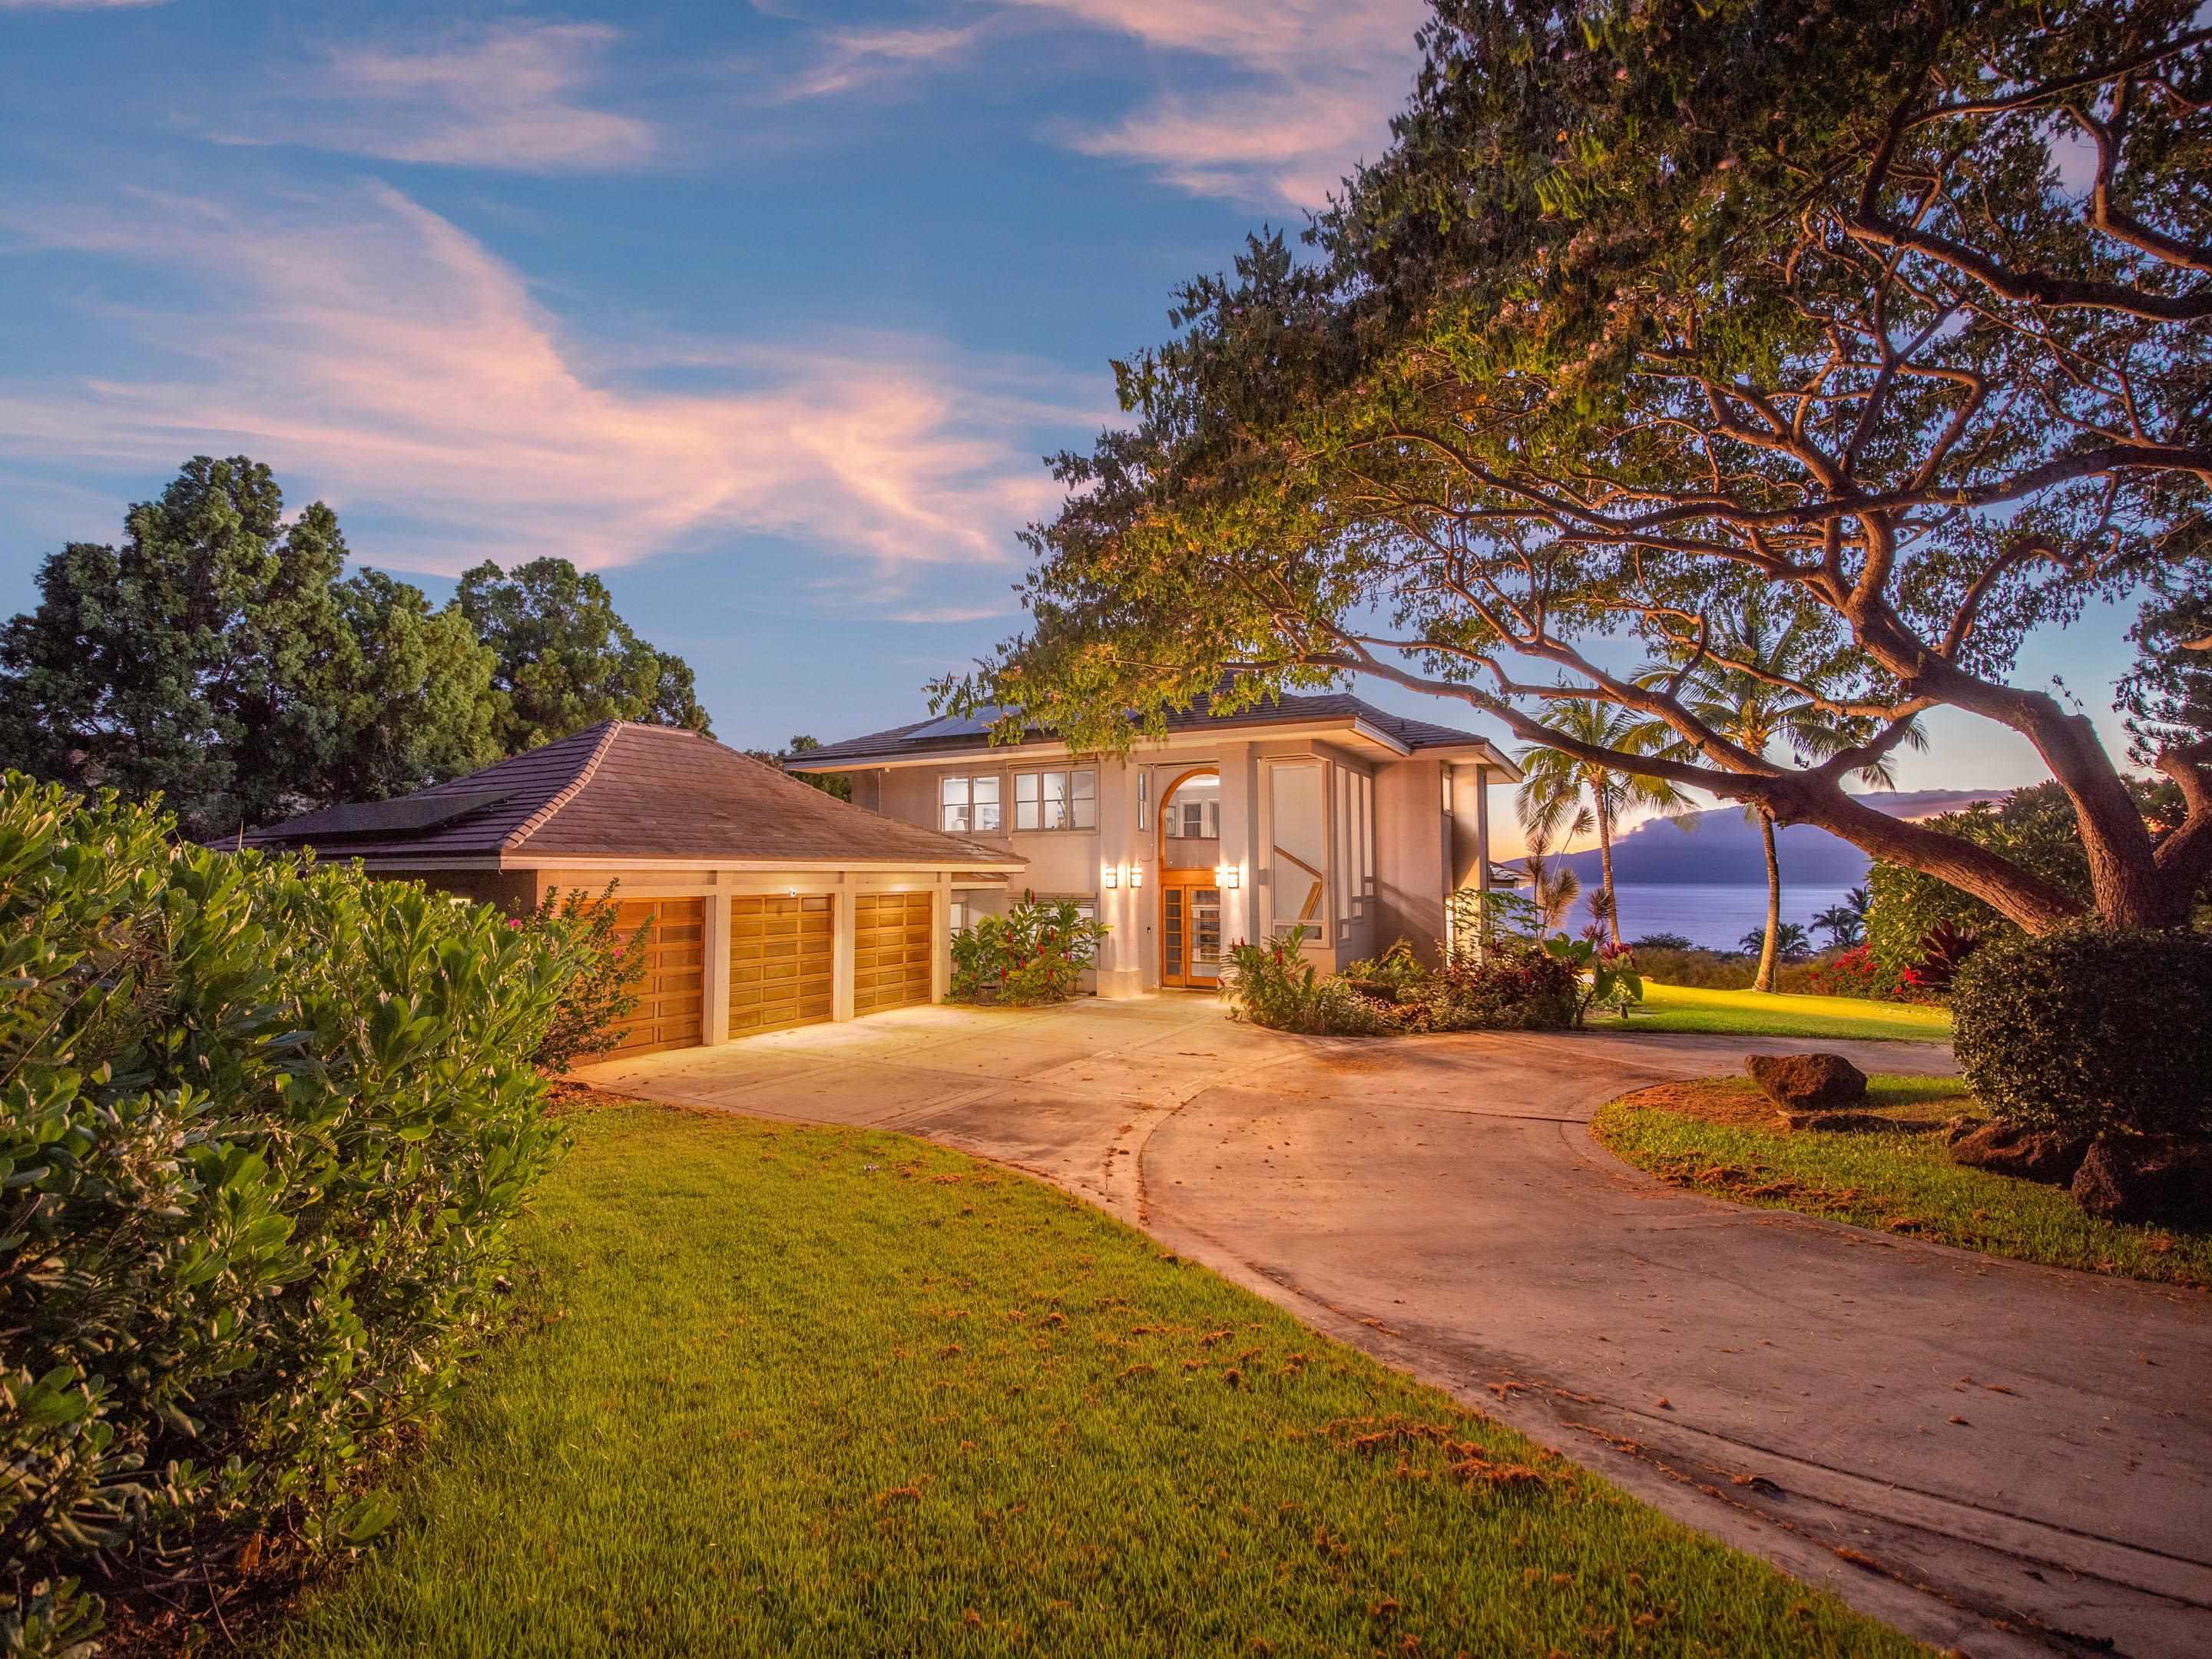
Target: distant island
<point>1721,847</point>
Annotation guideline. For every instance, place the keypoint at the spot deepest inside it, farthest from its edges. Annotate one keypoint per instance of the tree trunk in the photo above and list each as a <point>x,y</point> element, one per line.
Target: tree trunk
<point>1605,865</point>
<point>1765,981</point>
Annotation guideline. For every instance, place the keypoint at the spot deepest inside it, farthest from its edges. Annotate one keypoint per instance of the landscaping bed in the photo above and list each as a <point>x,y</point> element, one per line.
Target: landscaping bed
<point>797,1390</point>
<point>1721,1135</point>
<point>1750,1013</point>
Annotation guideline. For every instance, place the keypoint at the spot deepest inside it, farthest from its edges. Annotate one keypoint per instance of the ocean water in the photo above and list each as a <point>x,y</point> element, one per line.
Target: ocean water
<point>1714,917</point>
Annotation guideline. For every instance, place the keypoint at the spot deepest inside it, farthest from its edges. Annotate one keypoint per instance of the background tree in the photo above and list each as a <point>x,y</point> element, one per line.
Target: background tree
<point>566,660</point>
<point>1554,785</point>
<point>833,784</point>
<point>1553,887</point>
<point>1651,311</point>
<point>1770,683</point>
<point>219,658</point>
<point>1845,923</point>
<point>214,658</point>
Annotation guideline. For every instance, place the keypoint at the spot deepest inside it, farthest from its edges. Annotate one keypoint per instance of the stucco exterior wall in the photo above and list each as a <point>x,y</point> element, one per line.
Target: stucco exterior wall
<point>1412,855</point>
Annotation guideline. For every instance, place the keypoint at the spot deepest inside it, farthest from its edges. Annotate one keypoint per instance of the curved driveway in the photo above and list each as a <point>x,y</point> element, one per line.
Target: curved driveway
<point>2005,1458</point>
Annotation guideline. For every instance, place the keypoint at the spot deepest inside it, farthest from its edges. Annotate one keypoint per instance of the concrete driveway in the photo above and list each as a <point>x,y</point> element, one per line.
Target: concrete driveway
<point>2016,1459</point>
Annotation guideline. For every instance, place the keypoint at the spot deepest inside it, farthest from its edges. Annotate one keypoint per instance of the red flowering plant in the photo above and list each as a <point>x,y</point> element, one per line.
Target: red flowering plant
<point>1035,952</point>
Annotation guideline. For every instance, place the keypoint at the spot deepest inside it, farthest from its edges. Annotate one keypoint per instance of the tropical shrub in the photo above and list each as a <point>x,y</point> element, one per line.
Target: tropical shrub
<point>1661,942</point>
<point>1516,985</point>
<point>265,1125</point>
<point>1852,973</point>
<point>1271,985</point>
<point>600,996</point>
<point>1035,952</point>
<point>2089,1028</point>
<point>1604,976</point>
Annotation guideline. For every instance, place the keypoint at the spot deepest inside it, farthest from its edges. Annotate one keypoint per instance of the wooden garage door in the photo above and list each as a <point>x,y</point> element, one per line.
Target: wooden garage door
<point>672,987</point>
<point>890,951</point>
<point>780,955</point>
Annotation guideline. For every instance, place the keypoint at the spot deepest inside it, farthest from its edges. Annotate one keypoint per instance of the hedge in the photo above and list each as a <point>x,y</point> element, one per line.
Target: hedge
<point>266,1124</point>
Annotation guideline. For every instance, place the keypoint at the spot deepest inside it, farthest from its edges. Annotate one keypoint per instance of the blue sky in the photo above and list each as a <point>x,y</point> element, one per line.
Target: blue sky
<point>766,313</point>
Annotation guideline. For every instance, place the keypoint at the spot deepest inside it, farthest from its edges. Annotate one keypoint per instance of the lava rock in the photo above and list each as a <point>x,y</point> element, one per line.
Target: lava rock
<point>2001,1148</point>
<point>1808,1083</point>
<point>2147,1178</point>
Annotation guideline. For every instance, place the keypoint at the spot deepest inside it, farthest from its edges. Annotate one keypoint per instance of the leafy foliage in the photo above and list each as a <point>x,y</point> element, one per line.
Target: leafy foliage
<point>566,660</point>
<point>1788,942</point>
<point>264,1127</point>
<point>216,658</point>
<point>2033,827</point>
<point>2090,1029</point>
<point>601,991</point>
<point>1554,785</point>
<point>1604,976</point>
<point>1035,952</point>
<point>219,658</point>
<point>1844,923</point>
<point>1273,985</point>
<point>1653,313</point>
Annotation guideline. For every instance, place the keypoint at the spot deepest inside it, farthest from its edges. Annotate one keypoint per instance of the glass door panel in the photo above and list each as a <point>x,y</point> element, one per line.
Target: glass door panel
<point>1171,936</point>
<point>1205,935</point>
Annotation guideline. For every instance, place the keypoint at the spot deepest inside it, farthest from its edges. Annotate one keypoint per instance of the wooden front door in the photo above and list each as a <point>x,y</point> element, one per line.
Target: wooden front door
<point>891,946</point>
<point>1190,932</point>
<point>780,962</point>
<point>672,984</point>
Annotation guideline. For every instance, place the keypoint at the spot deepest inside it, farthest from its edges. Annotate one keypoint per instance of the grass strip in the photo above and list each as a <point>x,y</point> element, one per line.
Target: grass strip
<point>1750,1013</point>
<point>1719,1136</point>
<point>789,1390</point>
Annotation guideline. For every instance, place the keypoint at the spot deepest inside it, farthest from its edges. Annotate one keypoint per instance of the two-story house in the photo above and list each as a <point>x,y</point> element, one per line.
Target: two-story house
<point>1321,819</point>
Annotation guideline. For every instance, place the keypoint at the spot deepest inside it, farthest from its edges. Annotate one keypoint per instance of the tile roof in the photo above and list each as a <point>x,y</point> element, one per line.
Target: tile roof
<point>922,738</point>
<point>620,790</point>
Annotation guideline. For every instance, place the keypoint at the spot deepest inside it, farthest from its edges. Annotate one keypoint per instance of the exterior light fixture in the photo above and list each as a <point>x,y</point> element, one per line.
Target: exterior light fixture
<point>1226,875</point>
<point>1112,875</point>
<point>1136,875</point>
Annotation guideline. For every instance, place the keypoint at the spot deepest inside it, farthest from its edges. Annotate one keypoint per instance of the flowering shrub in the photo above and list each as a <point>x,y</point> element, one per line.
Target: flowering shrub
<point>1033,953</point>
<point>1516,985</point>
<point>1856,972</point>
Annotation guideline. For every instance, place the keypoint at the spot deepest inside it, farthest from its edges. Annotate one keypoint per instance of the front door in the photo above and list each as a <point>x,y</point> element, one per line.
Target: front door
<point>1190,933</point>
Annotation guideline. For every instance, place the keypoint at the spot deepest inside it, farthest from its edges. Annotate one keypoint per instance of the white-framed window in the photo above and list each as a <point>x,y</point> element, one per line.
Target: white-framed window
<point>956,915</point>
<point>1195,820</point>
<point>1056,800</point>
<point>1144,800</point>
<point>966,804</point>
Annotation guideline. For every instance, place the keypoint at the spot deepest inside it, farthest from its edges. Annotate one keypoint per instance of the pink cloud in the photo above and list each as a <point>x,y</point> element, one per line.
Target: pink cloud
<point>379,357</point>
<point>1318,81</point>
<point>512,96</point>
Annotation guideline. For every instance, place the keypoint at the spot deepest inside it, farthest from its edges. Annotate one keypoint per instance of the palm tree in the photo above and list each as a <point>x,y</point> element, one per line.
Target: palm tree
<point>1555,785</point>
<point>1845,923</point>
<point>1552,888</point>
<point>1767,680</point>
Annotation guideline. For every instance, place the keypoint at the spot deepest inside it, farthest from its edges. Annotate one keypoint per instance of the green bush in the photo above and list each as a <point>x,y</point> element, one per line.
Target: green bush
<point>2088,1029</point>
<point>266,1124</point>
<point>1271,985</point>
<point>601,995</point>
<point>1515,985</point>
<point>1033,953</point>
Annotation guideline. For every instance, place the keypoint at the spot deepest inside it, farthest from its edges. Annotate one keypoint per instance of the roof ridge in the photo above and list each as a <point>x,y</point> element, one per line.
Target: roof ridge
<point>538,820</point>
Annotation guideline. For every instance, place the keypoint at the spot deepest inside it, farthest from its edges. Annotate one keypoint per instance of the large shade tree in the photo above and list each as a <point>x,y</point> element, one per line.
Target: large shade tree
<point>218,656</point>
<point>1896,319</point>
<point>567,659</point>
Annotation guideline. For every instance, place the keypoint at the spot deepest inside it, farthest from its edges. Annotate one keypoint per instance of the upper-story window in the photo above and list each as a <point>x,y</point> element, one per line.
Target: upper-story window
<point>1189,818</point>
<point>967,804</point>
<point>1056,800</point>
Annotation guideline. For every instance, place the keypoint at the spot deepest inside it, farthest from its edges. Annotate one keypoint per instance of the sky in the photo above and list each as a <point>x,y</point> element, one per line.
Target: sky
<point>768,313</point>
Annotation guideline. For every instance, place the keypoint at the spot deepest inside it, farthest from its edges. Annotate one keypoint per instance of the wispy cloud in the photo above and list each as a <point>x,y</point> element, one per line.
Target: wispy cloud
<point>1270,103</point>
<point>1312,86</point>
<point>381,358</point>
<point>853,59</point>
<point>513,96</point>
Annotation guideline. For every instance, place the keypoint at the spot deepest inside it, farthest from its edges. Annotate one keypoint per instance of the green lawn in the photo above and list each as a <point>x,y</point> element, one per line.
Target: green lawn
<point>1899,1182</point>
<point>784,1390</point>
<point>1747,1013</point>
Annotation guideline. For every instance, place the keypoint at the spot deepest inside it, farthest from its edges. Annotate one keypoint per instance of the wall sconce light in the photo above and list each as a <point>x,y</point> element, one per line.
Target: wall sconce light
<point>1112,875</point>
<point>1229,875</point>
<point>1136,875</point>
